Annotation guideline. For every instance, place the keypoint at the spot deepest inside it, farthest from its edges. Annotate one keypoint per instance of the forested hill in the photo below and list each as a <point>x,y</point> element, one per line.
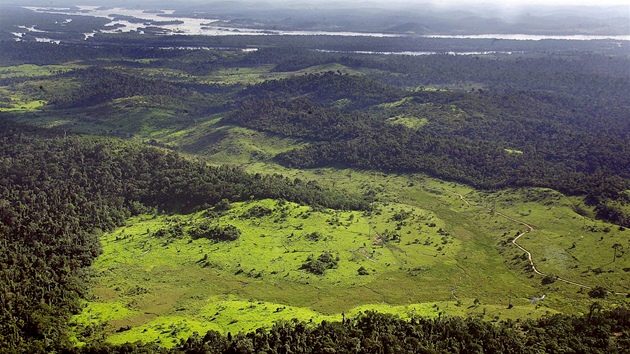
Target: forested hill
<point>100,85</point>
<point>559,120</point>
<point>328,87</point>
<point>572,143</point>
<point>57,194</point>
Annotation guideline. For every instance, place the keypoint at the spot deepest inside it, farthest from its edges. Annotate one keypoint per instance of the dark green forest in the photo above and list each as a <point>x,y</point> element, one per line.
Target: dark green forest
<point>566,143</point>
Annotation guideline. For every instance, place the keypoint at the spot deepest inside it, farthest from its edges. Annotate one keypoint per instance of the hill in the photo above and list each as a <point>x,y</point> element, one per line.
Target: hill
<point>156,193</point>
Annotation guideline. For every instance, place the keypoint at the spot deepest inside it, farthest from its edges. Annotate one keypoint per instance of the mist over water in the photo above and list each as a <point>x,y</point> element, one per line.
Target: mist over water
<point>168,22</point>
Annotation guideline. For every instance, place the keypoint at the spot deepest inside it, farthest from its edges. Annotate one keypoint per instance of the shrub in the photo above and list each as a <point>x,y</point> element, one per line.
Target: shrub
<point>215,232</point>
<point>597,292</point>
<point>320,264</point>
<point>314,236</point>
<point>549,279</point>
<point>257,211</point>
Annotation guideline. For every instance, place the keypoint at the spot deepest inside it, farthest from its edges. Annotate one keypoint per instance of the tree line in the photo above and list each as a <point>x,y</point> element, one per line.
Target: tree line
<point>595,332</point>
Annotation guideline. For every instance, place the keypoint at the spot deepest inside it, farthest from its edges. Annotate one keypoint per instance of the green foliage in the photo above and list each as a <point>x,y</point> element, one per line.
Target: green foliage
<point>223,205</point>
<point>319,265</point>
<point>549,279</point>
<point>300,118</point>
<point>173,231</point>
<point>101,85</point>
<point>598,292</point>
<point>401,215</point>
<point>363,271</point>
<point>314,236</point>
<point>371,332</point>
<point>258,211</point>
<point>327,87</point>
<point>215,232</point>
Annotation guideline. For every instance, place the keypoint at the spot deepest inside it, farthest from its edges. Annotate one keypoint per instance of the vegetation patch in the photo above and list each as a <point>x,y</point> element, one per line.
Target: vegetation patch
<point>408,121</point>
<point>318,265</point>
<point>214,232</point>
<point>16,104</point>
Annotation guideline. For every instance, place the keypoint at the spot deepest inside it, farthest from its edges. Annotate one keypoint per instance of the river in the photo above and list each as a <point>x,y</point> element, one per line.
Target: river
<point>169,24</point>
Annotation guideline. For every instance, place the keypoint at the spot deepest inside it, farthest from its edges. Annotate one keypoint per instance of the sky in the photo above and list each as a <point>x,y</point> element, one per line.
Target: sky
<point>506,5</point>
<point>546,2</point>
<point>444,2</point>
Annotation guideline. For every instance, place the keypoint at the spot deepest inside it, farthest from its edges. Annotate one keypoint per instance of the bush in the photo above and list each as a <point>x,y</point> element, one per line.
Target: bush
<point>215,232</point>
<point>319,265</point>
<point>223,205</point>
<point>598,292</point>
<point>257,211</point>
<point>314,236</point>
<point>549,279</point>
<point>363,271</point>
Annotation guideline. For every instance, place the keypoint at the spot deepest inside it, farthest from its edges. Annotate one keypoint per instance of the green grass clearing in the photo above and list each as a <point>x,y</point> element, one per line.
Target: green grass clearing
<point>408,121</point>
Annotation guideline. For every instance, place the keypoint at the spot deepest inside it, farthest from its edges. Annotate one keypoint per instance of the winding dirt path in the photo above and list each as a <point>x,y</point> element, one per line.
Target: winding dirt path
<point>529,254</point>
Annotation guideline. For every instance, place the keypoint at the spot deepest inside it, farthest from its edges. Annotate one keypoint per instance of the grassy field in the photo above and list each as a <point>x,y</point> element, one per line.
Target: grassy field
<point>17,104</point>
<point>30,70</point>
<point>449,261</point>
<point>453,256</point>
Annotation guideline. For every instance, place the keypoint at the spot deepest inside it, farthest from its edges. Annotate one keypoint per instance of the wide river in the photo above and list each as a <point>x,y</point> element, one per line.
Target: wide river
<point>171,24</point>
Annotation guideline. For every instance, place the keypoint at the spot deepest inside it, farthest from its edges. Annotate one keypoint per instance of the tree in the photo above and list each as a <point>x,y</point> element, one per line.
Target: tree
<point>549,279</point>
<point>617,247</point>
<point>363,271</point>
<point>598,292</point>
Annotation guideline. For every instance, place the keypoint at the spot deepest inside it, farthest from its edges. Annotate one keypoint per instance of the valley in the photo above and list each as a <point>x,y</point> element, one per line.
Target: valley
<point>156,190</point>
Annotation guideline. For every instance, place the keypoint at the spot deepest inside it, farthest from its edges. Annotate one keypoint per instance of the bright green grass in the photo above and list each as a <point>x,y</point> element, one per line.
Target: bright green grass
<point>229,144</point>
<point>558,226</point>
<point>18,105</point>
<point>245,75</point>
<point>402,102</point>
<point>274,247</point>
<point>569,245</point>
<point>408,121</point>
<point>30,70</point>
<point>253,75</point>
<point>228,314</point>
<point>175,290</point>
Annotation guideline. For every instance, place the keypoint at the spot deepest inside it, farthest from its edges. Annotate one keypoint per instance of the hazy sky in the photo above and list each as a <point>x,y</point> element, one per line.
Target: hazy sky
<point>506,4</point>
<point>529,2</point>
<point>445,2</point>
